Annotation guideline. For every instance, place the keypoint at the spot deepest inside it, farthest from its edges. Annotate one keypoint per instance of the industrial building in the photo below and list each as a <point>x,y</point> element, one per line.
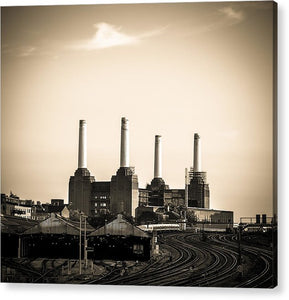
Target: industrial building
<point>122,194</point>
<point>54,237</point>
<point>121,240</point>
<point>158,192</point>
<point>11,229</point>
<point>58,237</point>
<point>124,185</point>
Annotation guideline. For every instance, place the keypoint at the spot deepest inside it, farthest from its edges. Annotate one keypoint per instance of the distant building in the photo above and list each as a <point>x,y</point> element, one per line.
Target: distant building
<point>12,205</point>
<point>124,185</point>
<point>122,194</point>
<point>22,211</point>
<point>61,210</point>
<point>57,202</point>
<point>198,190</point>
<point>214,216</point>
<point>80,188</point>
<point>159,194</point>
<point>40,212</point>
<point>100,198</point>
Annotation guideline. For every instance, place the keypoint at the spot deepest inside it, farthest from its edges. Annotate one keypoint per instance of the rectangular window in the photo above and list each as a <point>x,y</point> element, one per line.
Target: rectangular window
<point>103,204</point>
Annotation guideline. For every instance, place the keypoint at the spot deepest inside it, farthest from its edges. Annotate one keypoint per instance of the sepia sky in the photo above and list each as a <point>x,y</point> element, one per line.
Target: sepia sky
<point>171,69</point>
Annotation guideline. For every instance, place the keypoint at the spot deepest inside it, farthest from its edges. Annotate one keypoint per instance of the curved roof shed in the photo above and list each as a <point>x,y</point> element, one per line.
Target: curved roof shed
<point>56,224</point>
<point>119,227</point>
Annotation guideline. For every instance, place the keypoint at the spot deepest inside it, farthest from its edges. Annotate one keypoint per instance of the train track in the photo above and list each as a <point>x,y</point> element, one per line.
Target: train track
<point>183,257</point>
<point>224,265</point>
<point>198,263</point>
<point>25,267</point>
<point>193,263</point>
<point>153,267</point>
<point>262,257</point>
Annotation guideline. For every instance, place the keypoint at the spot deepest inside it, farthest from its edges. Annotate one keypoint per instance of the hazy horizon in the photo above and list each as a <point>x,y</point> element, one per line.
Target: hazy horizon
<point>171,69</point>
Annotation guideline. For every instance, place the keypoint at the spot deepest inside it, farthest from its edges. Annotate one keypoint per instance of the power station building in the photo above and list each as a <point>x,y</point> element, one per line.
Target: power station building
<point>122,195</point>
<point>196,193</point>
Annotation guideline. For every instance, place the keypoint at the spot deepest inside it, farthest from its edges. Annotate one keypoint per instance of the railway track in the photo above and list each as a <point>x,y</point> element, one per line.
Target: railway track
<point>26,268</point>
<point>193,263</point>
<point>223,267</point>
<point>262,257</point>
<point>198,263</point>
<point>153,267</point>
<point>160,275</point>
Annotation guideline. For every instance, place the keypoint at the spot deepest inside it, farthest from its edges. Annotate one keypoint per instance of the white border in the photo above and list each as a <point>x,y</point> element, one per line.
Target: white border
<point>71,292</point>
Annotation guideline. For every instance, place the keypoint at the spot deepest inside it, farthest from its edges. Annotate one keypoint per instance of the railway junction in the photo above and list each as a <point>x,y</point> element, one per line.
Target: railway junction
<point>177,258</point>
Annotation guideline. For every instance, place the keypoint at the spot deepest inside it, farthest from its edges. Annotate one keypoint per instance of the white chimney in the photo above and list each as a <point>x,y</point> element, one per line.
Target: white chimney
<point>197,153</point>
<point>82,148</point>
<point>158,157</point>
<point>124,145</point>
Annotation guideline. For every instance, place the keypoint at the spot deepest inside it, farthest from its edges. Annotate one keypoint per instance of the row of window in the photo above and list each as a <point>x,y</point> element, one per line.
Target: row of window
<point>101,197</point>
<point>22,211</point>
<point>100,211</point>
<point>101,204</point>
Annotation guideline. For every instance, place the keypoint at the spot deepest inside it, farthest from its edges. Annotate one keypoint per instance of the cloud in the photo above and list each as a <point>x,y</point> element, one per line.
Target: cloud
<point>232,14</point>
<point>26,51</point>
<point>107,36</point>
<point>20,51</point>
<point>223,17</point>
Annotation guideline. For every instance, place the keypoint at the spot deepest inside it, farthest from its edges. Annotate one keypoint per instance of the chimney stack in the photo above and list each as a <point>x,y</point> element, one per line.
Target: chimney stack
<point>197,153</point>
<point>124,145</point>
<point>82,150</point>
<point>158,157</point>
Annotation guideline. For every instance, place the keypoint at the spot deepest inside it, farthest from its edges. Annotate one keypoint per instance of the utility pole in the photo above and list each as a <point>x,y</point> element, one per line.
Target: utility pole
<point>85,244</point>
<point>186,188</point>
<point>80,244</point>
<point>19,247</point>
<point>240,266</point>
<point>239,244</point>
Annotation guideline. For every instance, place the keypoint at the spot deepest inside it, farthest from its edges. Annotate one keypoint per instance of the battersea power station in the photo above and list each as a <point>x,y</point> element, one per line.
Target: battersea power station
<point>122,194</point>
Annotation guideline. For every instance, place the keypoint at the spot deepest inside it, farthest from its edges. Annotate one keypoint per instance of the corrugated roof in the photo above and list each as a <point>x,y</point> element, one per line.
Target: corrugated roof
<point>56,224</point>
<point>121,227</point>
<point>15,225</point>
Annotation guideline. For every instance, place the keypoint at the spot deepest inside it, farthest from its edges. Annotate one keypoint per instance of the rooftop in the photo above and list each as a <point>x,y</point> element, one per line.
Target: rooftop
<point>119,227</point>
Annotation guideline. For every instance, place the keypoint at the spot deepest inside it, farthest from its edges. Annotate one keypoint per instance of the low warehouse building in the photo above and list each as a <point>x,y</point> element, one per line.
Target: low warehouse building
<point>211,219</point>
<point>55,237</point>
<point>121,240</point>
<point>212,215</point>
<point>11,230</point>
